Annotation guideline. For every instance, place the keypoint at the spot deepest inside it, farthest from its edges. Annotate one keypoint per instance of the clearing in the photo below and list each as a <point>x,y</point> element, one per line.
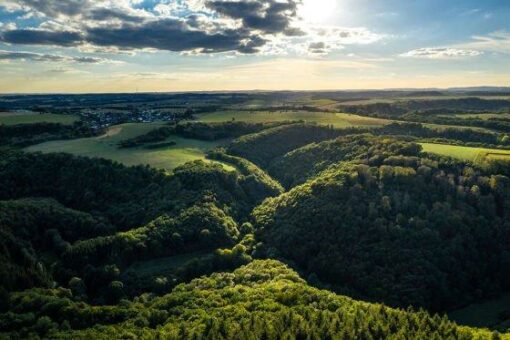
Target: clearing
<point>105,146</point>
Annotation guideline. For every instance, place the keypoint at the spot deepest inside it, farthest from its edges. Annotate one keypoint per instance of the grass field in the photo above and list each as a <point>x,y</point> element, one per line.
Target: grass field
<point>105,146</point>
<point>13,118</point>
<point>339,120</point>
<point>493,314</point>
<point>466,153</point>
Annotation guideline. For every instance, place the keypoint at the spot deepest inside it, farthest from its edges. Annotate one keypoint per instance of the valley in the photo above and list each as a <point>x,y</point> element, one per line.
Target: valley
<point>264,215</point>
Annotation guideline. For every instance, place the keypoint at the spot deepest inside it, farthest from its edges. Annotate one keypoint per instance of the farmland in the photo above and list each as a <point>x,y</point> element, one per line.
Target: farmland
<point>105,146</point>
<point>338,120</point>
<point>12,118</point>
<point>466,153</point>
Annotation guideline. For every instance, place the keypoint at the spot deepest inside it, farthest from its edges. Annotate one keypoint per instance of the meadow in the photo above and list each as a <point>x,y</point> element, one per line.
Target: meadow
<point>14,118</point>
<point>466,153</point>
<point>338,120</point>
<point>105,146</point>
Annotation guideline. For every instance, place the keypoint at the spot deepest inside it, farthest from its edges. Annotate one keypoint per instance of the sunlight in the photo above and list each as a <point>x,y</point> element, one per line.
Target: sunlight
<point>318,10</point>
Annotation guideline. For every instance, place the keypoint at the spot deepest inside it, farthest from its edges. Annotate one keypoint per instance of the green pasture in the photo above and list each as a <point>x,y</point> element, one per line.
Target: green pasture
<point>105,146</point>
<point>466,153</point>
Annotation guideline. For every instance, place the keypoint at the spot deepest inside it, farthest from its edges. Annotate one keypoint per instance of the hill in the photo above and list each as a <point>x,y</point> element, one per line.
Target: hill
<point>263,300</point>
<point>403,230</point>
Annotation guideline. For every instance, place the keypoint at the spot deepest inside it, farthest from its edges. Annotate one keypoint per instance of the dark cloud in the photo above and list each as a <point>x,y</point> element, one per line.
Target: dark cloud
<point>41,37</point>
<point>88,60</point>
<point>168,34</point>
<point>268,16</point>
<point>174,35</point>
<point>10,55</point>
<point>317,47</point>
<point>125,29</point>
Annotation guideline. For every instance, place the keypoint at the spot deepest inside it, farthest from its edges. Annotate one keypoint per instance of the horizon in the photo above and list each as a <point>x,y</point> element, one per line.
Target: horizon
<point>453,89</point>
<point>162,46</point>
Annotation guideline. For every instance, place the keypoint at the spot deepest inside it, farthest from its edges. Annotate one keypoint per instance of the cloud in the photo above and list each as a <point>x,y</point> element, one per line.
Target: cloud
<point>317,47</point>
<point>108,14</point>
<point>269,16</point>
<point>441,53</point>
<point>324,39</point>
<point>269,27</point>
<point>347,35</point>
<point>174,35</point>
<point>51,8</point>
<point>239,26</point>
<point>41,37</point>
<point>25,56</point>
<point>167,34</point>
<point>498,41</point>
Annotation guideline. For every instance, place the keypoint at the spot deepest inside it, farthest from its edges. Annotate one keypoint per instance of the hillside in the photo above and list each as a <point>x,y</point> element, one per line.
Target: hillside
<point>263,300</point>
<point>91,248</point>
<point>402,230</point>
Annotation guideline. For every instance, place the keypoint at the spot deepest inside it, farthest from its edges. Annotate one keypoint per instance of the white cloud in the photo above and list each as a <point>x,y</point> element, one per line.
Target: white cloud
<point>441,53</point>
<point>498,41</point>
<point>321,40</point>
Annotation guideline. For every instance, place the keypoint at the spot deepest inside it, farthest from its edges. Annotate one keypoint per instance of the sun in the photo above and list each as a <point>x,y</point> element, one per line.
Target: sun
<point>317,11</point>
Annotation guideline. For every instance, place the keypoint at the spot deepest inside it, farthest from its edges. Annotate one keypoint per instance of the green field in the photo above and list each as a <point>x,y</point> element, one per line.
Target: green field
<point>105,146</point>
<point>493,314</point>
<point>339,120</point>
<point>13,118</point>
<point>466,153</point>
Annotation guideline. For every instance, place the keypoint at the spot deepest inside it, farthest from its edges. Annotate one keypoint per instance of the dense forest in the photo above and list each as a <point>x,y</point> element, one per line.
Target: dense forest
<point>28,134</point>
<point>91,248</point>
<point>263,300</point>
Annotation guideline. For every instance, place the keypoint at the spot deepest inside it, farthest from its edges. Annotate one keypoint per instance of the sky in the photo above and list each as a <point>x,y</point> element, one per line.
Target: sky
<point>84,46</point>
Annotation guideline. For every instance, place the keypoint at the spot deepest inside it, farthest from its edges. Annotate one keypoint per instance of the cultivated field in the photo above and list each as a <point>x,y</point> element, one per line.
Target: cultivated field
<point>14,118</point>
<point>339,120</point>
<point>105,146</point>
<point>471,154</point>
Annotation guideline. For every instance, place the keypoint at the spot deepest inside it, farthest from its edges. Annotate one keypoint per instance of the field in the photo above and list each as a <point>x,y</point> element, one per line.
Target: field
<point>339,120</point>
<point>13,118</point>
<point>494,314</point>
<point>105,146</point>
<point>466,153</point>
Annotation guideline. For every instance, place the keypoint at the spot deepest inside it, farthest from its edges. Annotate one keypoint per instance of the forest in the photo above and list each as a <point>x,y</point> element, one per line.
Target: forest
<point>285,230</point>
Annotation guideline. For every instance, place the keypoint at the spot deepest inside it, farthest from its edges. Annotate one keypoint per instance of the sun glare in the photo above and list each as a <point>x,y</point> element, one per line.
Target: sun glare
<point>318,10</point>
